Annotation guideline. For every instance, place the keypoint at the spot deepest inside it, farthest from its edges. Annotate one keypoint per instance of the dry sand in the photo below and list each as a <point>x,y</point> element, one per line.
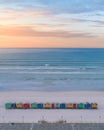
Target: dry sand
<point>33,115</point>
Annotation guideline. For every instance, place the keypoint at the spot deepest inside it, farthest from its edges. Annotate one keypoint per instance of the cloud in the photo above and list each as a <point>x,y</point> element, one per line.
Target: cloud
<point>80,20</point>
<point>74,6</point>
<point>51,9</point>
<point>23,8</point>
<point>58,6</point>
<point>19,31</point>
<point>21,4</point>
<point>17,1</point>
<point>10,14</point>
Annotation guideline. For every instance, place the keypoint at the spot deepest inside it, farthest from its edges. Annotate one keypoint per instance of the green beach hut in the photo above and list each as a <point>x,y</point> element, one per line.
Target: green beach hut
<point>33,105</point>
<point>80,105</point>
<point>8,105</point>
<point>57,105</point>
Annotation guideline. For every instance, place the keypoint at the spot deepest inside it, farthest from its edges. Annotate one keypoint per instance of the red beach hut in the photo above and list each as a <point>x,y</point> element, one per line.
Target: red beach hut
<point>26,106</point>
<point>74,106</point>
<point>53,106</point>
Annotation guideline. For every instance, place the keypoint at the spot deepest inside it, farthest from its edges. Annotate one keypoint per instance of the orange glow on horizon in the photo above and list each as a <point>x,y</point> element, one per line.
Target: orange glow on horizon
<point>27,37</point>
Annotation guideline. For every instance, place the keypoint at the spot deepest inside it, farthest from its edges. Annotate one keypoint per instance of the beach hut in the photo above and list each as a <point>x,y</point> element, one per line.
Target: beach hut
<point>8,105</point>
<point>94,105</point>
<point>26,106</point>
<point>69,105</point>
<point>19,106</point>
<point>53,106</point>
<point>74,106</point>
<point>47,105</point>
<point>33,105</point>
<point>62,106</point>
<point>80,106</point>
<point>87,106</point>
<point>40,105</point>
<point>57,105</point>
<point>13,105</point>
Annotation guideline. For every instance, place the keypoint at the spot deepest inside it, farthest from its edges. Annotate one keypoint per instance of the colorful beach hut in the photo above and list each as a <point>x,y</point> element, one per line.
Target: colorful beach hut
<point>87,106</point>
<point>8,105</point>
<point>69,105</point>
<point>53,106</point>
<point>74,106</point>
<point>80,106</point>
<point>34,106</point>
<point>94,105</point>
<point>62,106</point>
<point>57,105</point>
<point>26,106</point>
<point>40,105</point>
<point>19,106</point>
<point>13,106</point>
<point>47,105</point>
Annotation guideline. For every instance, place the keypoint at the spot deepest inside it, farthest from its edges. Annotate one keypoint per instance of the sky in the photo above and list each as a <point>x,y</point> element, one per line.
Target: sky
<point>51,23</point>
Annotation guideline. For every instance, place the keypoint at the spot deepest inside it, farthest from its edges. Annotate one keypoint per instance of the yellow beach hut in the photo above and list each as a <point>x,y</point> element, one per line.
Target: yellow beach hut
<point>47,105</point>
<point>69,105</point>
<point>94,105</point>
<point>19,106</point>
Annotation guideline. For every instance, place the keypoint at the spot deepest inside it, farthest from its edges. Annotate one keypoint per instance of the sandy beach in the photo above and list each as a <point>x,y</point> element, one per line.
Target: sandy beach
<point>35,115</point>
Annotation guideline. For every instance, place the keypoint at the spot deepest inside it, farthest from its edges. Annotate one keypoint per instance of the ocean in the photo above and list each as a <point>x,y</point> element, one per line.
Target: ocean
<point>52,69</point>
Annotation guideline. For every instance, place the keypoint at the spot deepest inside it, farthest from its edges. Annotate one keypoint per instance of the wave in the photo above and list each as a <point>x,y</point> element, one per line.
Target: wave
<point>58,72</point>
<point>46,67</point>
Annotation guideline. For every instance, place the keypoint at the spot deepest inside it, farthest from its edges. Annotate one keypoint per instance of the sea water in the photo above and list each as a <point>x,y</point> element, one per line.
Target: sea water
<point>52,69</point>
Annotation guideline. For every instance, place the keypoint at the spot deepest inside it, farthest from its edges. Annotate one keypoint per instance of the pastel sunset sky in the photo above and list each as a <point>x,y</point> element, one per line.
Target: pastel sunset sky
<point>51,23</point>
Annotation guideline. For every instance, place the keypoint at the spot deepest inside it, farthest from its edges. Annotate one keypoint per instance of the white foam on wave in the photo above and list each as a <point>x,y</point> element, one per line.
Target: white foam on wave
<point>47,67</point>
<point>58,72</point>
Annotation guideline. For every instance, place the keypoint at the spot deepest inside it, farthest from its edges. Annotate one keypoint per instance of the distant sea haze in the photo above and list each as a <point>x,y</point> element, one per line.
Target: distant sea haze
<point>52,69</point>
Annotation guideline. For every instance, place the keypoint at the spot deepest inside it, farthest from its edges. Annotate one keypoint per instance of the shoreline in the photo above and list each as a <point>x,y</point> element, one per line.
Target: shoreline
<point>29,92</point>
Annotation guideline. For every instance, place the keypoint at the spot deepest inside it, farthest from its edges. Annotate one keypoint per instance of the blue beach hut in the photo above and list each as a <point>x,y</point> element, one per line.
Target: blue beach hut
<point>87,106</point>
<point>62,106</point>
<point>13,105</point>
<point>40,106</point>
